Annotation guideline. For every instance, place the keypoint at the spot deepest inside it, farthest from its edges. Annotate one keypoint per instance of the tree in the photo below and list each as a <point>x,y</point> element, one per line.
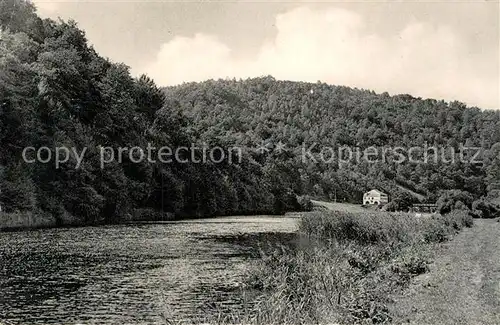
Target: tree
<point>454,199</point>
<point>402,201</point>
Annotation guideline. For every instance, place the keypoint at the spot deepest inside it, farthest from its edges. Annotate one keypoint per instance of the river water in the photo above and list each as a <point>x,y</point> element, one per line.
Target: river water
<point>130,274</point>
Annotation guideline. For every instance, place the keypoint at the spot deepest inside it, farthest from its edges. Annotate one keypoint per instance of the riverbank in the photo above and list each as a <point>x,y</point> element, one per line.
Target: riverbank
<point>344,268</point>
<point>25,220</point>
<point>19,221</point>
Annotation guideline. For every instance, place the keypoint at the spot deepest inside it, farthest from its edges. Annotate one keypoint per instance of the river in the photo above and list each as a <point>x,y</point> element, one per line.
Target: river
<point>130,274</point>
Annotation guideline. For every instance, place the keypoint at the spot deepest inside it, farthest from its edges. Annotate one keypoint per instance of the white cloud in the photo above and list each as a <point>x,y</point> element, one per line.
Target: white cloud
<point>335,46</point>
<point>46,7</point>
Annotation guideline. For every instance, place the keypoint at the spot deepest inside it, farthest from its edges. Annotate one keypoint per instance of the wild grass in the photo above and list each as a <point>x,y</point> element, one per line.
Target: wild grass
<point>344,269</point>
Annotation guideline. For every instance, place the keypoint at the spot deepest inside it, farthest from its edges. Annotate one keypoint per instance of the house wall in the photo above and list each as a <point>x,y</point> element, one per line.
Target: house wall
<point>375,198</point>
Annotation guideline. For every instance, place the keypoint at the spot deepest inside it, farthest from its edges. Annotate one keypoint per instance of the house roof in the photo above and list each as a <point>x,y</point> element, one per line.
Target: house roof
<point>375,192</point>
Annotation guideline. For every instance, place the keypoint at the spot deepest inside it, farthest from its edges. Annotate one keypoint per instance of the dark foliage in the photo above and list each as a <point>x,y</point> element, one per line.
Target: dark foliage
<point>259,111</point>
<point>56,91</point>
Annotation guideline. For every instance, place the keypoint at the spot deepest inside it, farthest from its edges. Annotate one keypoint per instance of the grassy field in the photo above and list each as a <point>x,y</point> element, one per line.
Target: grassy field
<point>344,269</point>
<point>463,285</point>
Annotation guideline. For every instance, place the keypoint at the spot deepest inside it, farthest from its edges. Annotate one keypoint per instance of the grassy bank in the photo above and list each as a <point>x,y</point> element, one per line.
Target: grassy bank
<point>24,220</point>
<point>27,220</point>
<point>344,268</point>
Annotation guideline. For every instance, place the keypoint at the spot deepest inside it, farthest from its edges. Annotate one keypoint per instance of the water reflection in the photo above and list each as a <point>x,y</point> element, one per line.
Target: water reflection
<point>129,274</point>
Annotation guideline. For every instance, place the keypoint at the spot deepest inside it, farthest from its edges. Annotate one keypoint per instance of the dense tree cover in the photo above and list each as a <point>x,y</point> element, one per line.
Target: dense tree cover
<point>264,110</point>
<point>55,91</point>
<point>402,201</point>
<point>454,200</point>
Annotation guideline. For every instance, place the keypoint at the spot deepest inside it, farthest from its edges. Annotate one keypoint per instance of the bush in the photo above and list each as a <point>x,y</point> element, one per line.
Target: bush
<point>454,199</point>
<point>412,261</point>
<point>362,228</point>
<point>486,209</point>
<point>305,203</point>
<point>436,231</point>
<point>391,207</point>
<point>477,214</point>
<point>458,219</point>
<point>401,202</point>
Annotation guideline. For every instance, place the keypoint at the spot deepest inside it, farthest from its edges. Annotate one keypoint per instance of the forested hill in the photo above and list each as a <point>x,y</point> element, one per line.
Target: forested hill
<point>298,114</point>
<point>56,91</point>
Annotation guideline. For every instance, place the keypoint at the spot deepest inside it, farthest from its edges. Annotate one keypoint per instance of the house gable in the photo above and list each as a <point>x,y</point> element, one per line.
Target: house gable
<point>375,197</point>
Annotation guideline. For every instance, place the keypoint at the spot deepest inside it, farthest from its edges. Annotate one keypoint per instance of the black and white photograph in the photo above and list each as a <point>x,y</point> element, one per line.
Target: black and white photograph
<point>249,162</point>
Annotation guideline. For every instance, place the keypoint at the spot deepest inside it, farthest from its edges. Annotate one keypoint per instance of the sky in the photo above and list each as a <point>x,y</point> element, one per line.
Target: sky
<point>430,49</point>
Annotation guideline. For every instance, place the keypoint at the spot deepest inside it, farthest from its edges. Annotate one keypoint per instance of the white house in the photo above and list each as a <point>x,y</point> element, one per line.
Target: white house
<point>375,197</point>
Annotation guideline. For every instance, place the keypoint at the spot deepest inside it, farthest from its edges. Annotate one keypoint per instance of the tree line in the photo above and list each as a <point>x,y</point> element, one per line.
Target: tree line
<point>264,110</point>
<point>55,90</point>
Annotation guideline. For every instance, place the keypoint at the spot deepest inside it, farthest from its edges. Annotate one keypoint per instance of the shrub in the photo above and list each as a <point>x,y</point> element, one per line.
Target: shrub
<point>454,199</point>
<point>391,207</point>
<point>412,261</point>
<point>486,209</point>
<point>305,203</point>
<point>401,202</point>
<point>362,228</point>
<point>295,284</point>
<point>435,230</point>
<point>468,221</point>
<point>478,214</point>
<point>459,219</point>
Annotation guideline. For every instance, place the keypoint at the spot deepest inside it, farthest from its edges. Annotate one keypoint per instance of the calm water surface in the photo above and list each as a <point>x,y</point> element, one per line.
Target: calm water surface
<point>129,274</point>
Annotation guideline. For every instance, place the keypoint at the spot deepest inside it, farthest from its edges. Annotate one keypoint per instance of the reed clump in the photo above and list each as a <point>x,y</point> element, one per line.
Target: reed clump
<point>24,220</point>
<point>344,268</point>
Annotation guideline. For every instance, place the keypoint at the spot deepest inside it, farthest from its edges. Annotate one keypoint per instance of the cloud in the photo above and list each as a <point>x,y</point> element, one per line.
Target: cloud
<point>46,7</point>
<point>335,46</point>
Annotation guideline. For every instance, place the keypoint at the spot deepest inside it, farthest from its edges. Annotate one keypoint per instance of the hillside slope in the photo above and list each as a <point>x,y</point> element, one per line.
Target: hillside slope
<point>58,93</point>
<point>298,115</point>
